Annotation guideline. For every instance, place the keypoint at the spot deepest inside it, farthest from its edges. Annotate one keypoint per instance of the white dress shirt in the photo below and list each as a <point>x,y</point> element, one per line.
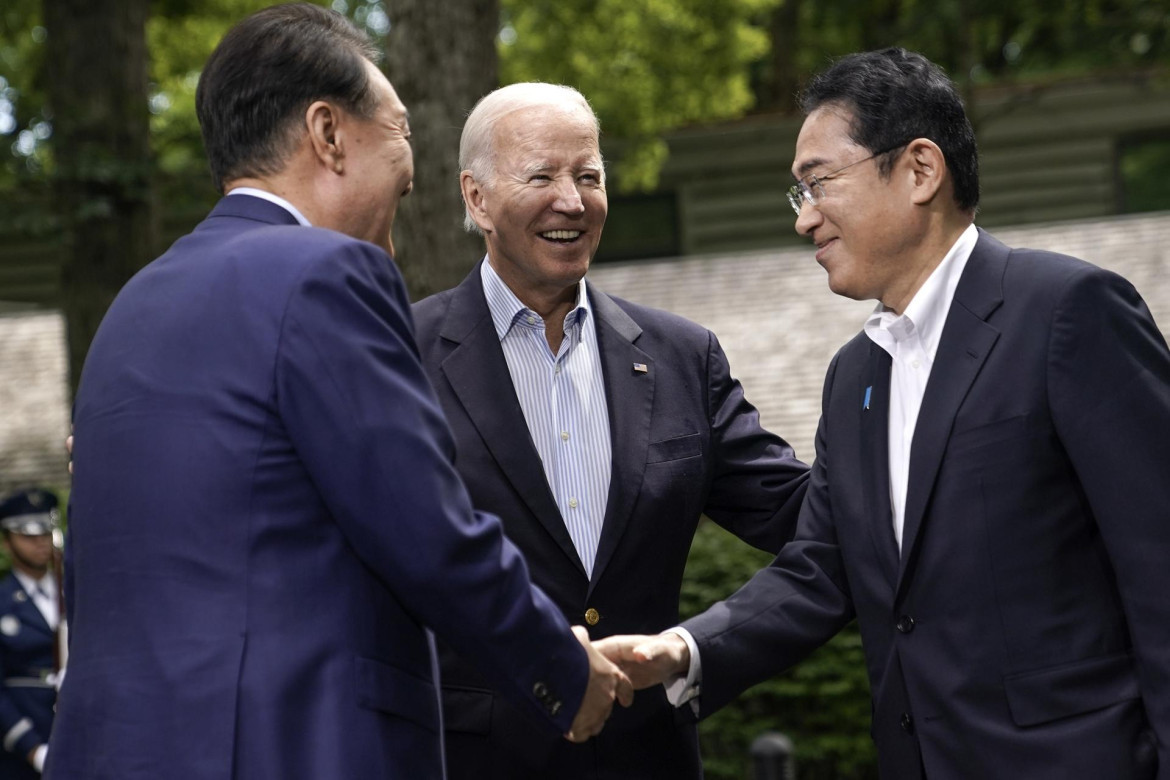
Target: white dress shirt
<point>912,341</point>
<point>563,400</point>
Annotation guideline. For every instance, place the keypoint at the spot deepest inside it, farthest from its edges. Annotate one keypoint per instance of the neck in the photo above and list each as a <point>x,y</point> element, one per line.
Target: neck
<point>551,303</point>
<point>283,188</point>
<point>927,256</point>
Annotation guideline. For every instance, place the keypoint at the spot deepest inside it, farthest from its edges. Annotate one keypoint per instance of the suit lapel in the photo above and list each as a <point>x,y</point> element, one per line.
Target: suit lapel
<point>629,395</point>
<point>479,376</point>
<point>875,425</point>
<point>963,348</point>
<point>24,608</point>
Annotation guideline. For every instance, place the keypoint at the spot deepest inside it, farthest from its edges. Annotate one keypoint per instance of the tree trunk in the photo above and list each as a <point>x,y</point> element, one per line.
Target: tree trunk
<point>441,58</point>
<point>96,64</point>
<point>779,88</point>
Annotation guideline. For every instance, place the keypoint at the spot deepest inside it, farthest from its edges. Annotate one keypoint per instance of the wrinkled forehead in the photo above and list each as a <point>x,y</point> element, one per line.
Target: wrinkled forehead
<point>537,130</point>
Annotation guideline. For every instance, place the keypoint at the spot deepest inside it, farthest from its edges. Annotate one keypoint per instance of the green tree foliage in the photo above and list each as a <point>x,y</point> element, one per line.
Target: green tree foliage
<point>646,65</point>
<point>23,121</point>
<point>822,704</point>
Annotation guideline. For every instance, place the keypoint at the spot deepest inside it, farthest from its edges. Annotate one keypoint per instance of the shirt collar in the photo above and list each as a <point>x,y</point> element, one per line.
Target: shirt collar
<point>927,311</point>
<point>279,201</point>
<point>506,308</point>
<point>30,585</point>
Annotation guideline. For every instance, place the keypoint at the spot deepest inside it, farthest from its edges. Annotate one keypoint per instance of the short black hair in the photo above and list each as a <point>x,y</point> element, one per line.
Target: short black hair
<point>896,96</point>
<point>266,72</point>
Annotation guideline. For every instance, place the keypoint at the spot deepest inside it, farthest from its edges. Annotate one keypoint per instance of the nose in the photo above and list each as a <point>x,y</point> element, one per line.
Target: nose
<point>568,198</point>
<point>808,218</point>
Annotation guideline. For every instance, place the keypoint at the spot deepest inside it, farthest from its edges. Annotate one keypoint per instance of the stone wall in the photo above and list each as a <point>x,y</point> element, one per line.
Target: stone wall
<point>34,400</point>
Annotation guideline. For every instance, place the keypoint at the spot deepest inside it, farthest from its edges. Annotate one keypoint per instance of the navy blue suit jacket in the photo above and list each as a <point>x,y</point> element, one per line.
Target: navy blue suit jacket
<point>1024,631</point>
<point>685,442</point>
<point>266,523</point>
<point>27,647</point>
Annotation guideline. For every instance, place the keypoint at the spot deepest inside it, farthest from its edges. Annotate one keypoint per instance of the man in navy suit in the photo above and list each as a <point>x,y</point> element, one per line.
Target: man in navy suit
<point>29,618</point>
<point>598,429</point>
<point>989,498</point>
<point>267,524</point>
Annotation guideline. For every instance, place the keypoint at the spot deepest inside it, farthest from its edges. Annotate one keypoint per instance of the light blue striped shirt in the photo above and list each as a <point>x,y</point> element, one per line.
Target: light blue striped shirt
<point>563,400</point>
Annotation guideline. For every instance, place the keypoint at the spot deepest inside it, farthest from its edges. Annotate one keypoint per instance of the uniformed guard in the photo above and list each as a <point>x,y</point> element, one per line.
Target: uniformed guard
<point>29,620</point>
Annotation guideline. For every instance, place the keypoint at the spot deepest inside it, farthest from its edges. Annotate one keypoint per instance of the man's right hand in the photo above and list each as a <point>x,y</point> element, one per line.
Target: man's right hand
<point>648,660</point>
<point>606,682</point>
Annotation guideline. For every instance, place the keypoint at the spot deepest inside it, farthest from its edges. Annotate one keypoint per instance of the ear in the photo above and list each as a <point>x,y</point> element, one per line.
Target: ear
<point>473,198</point>
<point>928,170</point>
<point>323,121</point>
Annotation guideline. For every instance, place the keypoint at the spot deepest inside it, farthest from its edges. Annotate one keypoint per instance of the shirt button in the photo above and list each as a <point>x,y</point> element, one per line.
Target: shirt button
<point>592,616</point>
<point>914,363</point>
<point>564,435</point>
<point>557,370</point>
<point>531,320</point>
<point>572,503</point>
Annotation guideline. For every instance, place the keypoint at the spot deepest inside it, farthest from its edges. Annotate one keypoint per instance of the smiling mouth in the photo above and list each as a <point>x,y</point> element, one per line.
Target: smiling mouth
<point>561,236</point>
<point>821,246</point>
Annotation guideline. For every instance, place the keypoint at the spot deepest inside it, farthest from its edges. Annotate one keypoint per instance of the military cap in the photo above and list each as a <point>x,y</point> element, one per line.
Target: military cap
<point>30,512</point>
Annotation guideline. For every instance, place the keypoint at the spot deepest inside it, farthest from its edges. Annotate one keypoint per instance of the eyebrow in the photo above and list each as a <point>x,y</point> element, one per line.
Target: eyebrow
<point>807,166</point>
<point>541,166</point>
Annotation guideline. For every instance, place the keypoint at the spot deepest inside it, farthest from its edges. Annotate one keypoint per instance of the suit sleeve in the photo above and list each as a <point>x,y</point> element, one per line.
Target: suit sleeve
<point>17,733</point>
<point>788,609</point>
<point>757,485</point>
<point>364,419</point>
<point>1109,388</point>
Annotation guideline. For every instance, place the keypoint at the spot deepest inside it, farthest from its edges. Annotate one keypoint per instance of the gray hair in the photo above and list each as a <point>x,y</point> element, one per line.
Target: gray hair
<point>477,149</point>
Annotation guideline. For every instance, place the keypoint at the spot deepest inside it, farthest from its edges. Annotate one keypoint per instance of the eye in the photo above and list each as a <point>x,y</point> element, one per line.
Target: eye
<point>540,177</point>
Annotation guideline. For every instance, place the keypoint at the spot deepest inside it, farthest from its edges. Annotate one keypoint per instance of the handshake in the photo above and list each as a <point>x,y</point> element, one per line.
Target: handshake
<point>619,665</point>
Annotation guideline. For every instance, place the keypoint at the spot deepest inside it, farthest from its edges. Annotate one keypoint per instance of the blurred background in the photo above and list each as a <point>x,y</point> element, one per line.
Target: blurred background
<point>101,167</point>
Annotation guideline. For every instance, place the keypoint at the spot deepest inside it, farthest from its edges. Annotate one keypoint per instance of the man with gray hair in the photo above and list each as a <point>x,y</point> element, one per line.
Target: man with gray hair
<point>598,429</point>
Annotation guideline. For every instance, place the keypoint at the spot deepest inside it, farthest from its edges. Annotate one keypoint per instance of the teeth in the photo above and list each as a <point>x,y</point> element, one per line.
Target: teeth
<point>561,235</point>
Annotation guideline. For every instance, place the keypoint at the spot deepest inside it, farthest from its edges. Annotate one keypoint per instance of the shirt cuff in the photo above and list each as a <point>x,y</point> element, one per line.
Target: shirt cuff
<point>39,758</point>
<point>681,690</point>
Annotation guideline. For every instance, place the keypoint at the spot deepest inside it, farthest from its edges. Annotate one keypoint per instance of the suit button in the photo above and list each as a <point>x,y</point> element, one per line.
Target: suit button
<point>905,624</point>
<point>540,691</point>
<point>907,723</point>
<point>592,616</point>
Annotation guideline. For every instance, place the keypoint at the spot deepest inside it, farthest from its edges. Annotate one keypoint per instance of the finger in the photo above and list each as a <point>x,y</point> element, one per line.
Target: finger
<point>625,691</point>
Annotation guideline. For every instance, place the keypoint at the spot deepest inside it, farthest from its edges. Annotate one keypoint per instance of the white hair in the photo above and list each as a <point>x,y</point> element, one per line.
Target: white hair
<point>477,148</point>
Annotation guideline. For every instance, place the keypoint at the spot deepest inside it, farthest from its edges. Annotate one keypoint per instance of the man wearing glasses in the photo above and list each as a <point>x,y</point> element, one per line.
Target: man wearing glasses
<point>989,498</point>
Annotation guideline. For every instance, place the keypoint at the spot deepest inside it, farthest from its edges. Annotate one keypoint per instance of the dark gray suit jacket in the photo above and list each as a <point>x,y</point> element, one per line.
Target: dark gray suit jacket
<point>685,443</point>
<point>1024,631</point>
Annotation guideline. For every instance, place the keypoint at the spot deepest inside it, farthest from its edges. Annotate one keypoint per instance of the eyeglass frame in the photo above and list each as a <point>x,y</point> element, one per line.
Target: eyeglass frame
<point>802,192</point>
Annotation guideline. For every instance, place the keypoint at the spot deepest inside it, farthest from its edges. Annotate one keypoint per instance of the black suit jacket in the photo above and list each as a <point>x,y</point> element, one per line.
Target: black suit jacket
<point>1024,630</point>
<point>685,442</point>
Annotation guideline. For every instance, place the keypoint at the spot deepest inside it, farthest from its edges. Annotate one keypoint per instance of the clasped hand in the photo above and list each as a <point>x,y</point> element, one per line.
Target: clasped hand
<point>647,659</point>
<point>617,666</point>
<point>606,683</point>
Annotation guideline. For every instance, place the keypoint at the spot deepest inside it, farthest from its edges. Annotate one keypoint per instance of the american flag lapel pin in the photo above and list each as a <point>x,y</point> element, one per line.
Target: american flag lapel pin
<point>641,368</point>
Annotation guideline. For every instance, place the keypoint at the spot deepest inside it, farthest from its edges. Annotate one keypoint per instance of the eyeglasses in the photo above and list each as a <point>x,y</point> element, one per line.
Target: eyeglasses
<point>812,192</point>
